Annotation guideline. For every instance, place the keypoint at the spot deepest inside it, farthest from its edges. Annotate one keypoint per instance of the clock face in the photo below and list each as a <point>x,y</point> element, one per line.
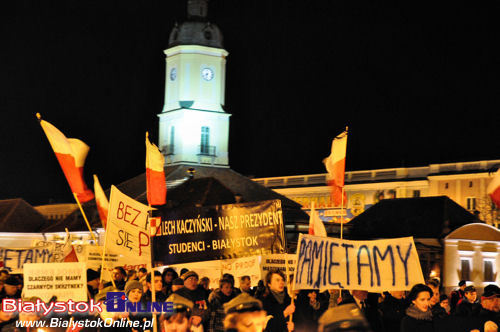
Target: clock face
<point>173,74</point>
<point>207,74</point>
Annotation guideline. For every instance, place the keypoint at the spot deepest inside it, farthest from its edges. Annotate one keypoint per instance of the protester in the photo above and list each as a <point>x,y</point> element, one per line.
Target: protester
<point>457,295</point>
<point>205,285</point>
<point>119,275</point>
<point>177,284</point>
<point>368,303</point>
<point>469,304</point>
<point>160,295</point>
<point>167,277</point>
<point>490,308</point>
<point>4,274</point>
<point>142,273</point>
<point>216,302</point>
<point>418,315</point>
<point>194,293</point>
<point>132,275</point>
<point>11,288</point>
<point>393,309</point>
<point>345,317</point>
<point>444,302</point>
<point>230,277</point>
<point>179,320</point>
<point>246,285</point>
<point>434,284</point>
<point>244,313</point>
<point>93,282</point>
<point>133,290</point>
<point>277,303</point>
<point>308,310</point>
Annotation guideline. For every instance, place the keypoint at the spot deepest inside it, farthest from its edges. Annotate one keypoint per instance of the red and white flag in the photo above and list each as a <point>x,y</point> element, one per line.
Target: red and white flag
<point>101,201</point>
<point>335,166</point>
<point>71,154</point>
<point>155,175</point>
<point>69,253</point>
<point>316,226</point>
<point>494,189</point>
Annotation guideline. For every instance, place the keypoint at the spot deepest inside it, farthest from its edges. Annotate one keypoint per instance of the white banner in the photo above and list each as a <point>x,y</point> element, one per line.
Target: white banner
<point>278,262</point>
<point>13,259</point>
<point>127,232</point>
<point>375,266</point>
<point>67,281</point>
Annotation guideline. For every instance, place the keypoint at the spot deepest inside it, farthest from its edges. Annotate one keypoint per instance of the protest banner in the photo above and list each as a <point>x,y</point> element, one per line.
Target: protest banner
<point>238,267</point>
<point>58,252</point>
<point>93,258</point>
<point>244,266</point>
<point>66,281</point>
<point>375,266</point>
<point>219,232</point>
<point>14,258</point>
<point>127,232</point>
<point>278,262</point>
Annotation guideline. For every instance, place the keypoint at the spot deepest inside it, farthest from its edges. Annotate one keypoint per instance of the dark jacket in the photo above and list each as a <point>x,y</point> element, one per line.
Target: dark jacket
<point>216,302</point>
<point>467,309</point>
<point>198,297</point>
<point>417,321</point>
<point>278,323</point>
<point>392,311</point>
<point>455,296</point>
<point>306,315</point>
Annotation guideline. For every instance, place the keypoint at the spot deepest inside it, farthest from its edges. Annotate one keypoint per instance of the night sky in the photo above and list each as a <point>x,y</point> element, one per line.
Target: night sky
<point>417,83</point>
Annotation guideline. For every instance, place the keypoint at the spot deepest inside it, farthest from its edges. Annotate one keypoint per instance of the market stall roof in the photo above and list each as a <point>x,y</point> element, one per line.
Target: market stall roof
<point>423,217</point>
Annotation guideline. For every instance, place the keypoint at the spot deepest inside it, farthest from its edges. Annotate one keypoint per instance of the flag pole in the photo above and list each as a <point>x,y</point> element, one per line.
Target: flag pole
<point>342,200</point>
<point>85,218</point>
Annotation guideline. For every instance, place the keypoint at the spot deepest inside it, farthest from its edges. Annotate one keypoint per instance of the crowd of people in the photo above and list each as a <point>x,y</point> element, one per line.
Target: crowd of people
<point>270,306</point>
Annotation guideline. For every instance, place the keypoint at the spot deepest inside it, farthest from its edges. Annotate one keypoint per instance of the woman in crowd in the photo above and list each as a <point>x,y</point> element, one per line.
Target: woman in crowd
<point>418,315</point>
<point>216,302</point>
<point>277,302</point>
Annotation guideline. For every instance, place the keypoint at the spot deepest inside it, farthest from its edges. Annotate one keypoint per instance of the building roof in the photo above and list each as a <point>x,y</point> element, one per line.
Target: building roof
<point>476,231</point>
<point>16,215</point>
<point>426,217</point>
<point>209,186</point>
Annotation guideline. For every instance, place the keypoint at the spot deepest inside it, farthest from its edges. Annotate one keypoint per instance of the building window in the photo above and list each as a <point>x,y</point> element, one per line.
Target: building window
<point>446,185</point>
<point>205,140</point>
<point>465,269</point>
<point>416,193</point>
<point>489,274</point>
<point>172,135</point>
<point>471,203</point>
<point>470,184</point>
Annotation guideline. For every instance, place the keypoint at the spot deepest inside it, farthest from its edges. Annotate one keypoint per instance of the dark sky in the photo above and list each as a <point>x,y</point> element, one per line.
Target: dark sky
<point>416,82</point>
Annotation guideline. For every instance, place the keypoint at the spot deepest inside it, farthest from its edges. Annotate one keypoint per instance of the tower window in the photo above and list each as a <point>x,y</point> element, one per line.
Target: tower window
<point>471,203</point>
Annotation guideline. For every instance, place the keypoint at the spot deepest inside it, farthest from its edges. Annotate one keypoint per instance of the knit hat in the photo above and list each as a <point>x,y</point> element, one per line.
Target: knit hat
<point>189,274</point>
<point>92,275</point>
<point>13,281</point>
<point>132,284</point>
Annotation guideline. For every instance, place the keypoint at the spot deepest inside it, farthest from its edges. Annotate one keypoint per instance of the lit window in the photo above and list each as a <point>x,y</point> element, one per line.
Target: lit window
<point>489,274</point>
<point>465,269</point>
<point>205,140</point>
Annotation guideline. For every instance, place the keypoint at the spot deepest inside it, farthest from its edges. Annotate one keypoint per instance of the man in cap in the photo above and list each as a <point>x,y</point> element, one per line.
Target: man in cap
<point>11,288</point>
<point>490,308</point>
<point>177,284</point>
<point>469,305</point>
<point>194,292</point>
<point>245,313</point>
<point>179,320</point>
<point>457,295</point>
<point>344,317</point>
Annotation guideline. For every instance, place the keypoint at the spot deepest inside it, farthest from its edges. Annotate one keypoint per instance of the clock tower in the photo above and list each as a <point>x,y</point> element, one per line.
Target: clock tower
<point>194,128</point>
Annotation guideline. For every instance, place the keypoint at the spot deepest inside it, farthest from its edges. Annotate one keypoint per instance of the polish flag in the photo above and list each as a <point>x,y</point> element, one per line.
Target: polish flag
<point>155,175</point>
<point>316,226</point>
<point>69,253</point>
<point>494,189</point>
<point>101,201</point>
<point>71,154</point>
<point>335,165</point>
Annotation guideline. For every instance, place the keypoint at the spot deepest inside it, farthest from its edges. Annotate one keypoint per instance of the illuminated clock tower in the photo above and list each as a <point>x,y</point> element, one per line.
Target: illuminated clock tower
<point>194,128</point>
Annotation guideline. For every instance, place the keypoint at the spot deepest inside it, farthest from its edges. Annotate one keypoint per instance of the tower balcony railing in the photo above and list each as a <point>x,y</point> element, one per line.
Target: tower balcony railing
<point>206,150</point>
<point>168,150</point>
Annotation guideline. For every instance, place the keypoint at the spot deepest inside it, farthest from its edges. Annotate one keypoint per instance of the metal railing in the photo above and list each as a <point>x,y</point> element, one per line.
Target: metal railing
<point>206,150</point>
